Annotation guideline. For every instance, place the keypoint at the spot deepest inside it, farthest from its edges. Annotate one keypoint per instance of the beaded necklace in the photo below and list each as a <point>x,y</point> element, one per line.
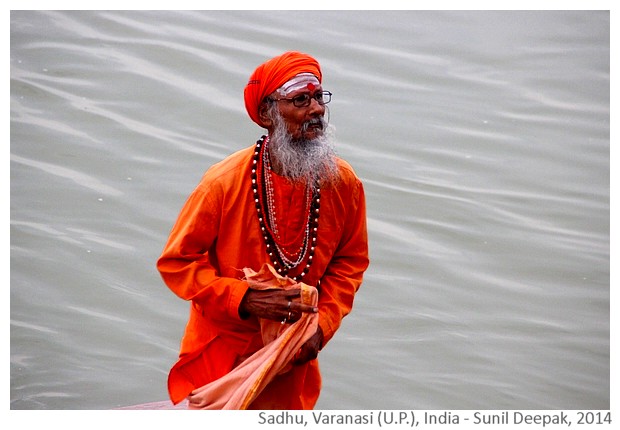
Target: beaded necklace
<point>284,256</point>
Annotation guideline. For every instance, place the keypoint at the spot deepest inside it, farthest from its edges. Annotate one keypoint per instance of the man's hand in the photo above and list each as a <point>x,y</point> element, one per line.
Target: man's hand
<point>310,349</point>
<point>275,304</point>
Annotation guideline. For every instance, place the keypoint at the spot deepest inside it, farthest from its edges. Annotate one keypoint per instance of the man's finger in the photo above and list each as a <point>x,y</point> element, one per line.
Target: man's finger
<point>305,308</point>
<point>292,293</point>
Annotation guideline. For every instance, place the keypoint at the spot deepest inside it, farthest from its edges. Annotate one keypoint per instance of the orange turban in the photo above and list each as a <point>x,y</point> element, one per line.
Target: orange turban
<point>271,75</point>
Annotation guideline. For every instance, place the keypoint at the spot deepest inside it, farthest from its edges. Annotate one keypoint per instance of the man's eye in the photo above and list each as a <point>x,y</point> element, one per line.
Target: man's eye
<point>302,98</point>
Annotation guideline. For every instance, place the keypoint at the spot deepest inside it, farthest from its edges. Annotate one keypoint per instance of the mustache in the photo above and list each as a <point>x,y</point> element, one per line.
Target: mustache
<point>320,122</point>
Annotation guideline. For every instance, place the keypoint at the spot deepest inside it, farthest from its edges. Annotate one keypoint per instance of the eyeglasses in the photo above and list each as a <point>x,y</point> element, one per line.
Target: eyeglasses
<point>303,100</point>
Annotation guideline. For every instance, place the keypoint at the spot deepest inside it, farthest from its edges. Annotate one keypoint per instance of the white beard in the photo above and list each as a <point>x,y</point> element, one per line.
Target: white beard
<point>307,160</point>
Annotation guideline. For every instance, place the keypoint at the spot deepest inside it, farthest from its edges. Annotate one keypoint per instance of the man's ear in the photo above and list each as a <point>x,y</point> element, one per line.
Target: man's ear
<point>263,115</point>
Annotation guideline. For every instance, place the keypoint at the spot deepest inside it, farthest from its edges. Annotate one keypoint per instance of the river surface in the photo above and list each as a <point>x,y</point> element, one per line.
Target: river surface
<point>482,138</point>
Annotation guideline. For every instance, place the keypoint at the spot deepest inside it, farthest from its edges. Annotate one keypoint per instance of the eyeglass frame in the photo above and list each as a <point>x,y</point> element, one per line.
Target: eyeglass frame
<point>306,104</point>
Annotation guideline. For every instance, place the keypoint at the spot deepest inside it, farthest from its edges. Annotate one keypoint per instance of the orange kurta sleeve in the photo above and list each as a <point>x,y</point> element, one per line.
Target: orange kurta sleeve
<point>185,264</point>
<point>343,275</point>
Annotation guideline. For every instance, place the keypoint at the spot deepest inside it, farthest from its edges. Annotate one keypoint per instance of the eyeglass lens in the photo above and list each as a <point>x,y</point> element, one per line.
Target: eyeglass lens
<point>303,100</point>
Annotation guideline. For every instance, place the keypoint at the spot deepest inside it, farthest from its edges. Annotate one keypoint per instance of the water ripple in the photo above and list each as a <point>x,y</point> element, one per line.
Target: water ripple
<point>80,178</point>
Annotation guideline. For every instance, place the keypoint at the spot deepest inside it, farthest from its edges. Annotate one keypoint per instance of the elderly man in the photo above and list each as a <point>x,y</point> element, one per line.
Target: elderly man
<point>287,201</point>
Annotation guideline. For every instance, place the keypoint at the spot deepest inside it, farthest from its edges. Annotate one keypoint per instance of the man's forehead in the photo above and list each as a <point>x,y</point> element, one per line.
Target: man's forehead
<point>301,82</point>
<point>309,89</point>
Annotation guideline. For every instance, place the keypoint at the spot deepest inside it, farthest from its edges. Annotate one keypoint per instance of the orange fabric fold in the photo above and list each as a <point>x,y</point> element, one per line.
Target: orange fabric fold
<point>238,388</point>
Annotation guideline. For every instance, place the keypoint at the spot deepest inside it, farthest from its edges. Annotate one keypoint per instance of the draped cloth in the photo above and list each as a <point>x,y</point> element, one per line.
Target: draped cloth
<point>238,388</point>
<point>270,75</point>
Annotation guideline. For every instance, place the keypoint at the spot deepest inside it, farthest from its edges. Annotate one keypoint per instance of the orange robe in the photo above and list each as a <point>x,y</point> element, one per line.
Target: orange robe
<point>217,235</point>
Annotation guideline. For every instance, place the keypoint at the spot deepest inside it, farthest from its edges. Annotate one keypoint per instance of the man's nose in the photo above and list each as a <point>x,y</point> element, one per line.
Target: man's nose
<point>316,107</point>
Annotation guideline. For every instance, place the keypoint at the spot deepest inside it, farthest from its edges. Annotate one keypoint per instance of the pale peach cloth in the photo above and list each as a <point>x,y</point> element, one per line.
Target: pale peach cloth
<point>238,388</point>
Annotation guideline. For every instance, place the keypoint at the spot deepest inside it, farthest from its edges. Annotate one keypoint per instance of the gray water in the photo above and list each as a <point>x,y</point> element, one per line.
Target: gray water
<point>483,140</point>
